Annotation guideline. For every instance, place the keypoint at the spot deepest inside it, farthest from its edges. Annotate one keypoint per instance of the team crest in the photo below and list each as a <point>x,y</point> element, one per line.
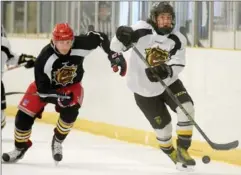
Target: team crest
<point>65,75</point>
<point>156,56</point>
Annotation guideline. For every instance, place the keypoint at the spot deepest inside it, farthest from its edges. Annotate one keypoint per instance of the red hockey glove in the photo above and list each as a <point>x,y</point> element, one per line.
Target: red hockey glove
<point>117,60</point>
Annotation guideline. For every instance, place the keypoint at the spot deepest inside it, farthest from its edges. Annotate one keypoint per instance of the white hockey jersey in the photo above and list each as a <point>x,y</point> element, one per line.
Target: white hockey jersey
<point>137,80</point>
<point>8,58</point>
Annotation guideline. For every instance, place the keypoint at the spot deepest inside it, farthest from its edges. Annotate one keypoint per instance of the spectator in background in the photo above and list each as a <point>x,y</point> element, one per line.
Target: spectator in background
<point>104,17</point>
<point>183,31</point>
<point>104,11</point>
<point>91,28</point>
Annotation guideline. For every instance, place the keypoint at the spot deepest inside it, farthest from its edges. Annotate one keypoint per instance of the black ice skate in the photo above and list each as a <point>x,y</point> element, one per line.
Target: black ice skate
<point>184,157</point>
<point>56,150</point>
<point>173,156</point>
<point>16,154</point>
<point>179,165</point>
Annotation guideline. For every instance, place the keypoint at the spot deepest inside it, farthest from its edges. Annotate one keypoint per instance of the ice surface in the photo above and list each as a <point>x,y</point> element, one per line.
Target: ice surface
<point>86,154</point>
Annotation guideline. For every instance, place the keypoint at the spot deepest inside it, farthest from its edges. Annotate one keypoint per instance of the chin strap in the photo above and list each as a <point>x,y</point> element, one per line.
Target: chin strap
<point>54,47</point>
<point>56,50</point>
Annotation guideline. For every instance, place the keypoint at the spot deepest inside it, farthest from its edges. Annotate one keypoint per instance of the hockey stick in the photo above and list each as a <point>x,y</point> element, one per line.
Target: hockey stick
<point>15,67</point>
<point>216,146</point>
<point>40,95</point>
<point>30,57</point>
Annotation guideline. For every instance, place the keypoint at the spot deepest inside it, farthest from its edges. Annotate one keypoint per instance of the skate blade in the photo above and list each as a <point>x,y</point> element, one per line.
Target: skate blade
<point>183,167</point>
<point>8,162</point>
<point>12,162</point>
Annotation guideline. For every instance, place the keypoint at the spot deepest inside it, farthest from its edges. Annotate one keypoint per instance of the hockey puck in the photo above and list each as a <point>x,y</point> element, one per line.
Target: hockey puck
<point>206,159</point>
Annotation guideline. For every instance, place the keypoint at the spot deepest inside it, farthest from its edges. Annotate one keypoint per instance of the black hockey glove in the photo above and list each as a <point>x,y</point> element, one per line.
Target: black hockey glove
<point>63,103</point>
<point>125,35</point>
<point>116,60</point>
<point>57,101</point>
<point>28,59</point>
<point>162,70</point>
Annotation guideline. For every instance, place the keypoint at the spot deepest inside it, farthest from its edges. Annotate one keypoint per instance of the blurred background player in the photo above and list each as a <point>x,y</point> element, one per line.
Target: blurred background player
<point>91,28</point>
<point>58,70</point>
<point>8,58</point>
<point>165,52</point>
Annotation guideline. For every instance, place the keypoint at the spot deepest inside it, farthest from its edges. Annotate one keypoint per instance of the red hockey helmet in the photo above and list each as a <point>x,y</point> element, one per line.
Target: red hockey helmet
<point>62,31</point>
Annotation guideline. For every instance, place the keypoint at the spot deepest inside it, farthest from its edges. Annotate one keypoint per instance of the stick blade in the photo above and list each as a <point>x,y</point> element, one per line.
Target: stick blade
<point>225,146</point>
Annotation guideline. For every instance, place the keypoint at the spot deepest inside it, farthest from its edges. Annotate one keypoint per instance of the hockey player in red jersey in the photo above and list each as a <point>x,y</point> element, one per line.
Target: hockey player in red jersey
<point>58,70</point>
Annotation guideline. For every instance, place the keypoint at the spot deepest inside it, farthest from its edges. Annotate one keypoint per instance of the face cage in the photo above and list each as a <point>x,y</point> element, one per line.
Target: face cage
<point>163,31</point>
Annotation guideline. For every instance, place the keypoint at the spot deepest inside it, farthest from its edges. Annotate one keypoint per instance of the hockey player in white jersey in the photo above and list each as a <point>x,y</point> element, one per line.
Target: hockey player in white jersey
<point>8,58</point>
<point>164,50</point>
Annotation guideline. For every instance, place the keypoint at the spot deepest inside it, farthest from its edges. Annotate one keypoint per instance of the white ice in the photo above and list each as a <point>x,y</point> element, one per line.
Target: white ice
<point>87,154</point>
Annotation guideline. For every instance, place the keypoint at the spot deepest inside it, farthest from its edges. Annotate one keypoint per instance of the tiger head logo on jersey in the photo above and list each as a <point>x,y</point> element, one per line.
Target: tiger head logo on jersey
<point>65,75</point>
<point>156,56</point>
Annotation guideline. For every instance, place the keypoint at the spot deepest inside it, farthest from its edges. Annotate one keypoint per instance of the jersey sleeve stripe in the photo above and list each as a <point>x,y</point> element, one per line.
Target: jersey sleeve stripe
<point>177,46</point>
<point>141,33</point>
